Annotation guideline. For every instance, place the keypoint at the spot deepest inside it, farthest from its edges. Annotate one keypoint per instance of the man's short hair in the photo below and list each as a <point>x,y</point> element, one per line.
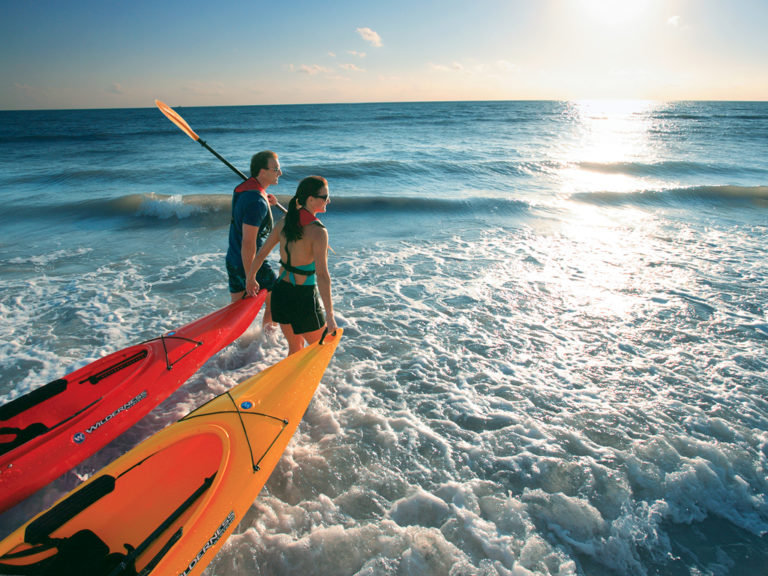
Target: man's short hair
<point>260,161</point>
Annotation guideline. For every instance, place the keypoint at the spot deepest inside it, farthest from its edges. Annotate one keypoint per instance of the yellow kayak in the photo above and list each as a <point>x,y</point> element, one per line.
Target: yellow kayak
<point>166,507</point>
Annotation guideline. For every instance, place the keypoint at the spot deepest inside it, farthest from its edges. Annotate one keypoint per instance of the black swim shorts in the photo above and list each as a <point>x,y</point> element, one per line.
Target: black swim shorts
<point>298,306</point>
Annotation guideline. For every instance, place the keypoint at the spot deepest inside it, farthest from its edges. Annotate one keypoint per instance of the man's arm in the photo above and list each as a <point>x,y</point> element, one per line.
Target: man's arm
<point>256,260</point>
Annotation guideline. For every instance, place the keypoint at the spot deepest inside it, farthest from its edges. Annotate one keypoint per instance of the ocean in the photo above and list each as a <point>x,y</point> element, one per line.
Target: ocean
<point>555,358</point>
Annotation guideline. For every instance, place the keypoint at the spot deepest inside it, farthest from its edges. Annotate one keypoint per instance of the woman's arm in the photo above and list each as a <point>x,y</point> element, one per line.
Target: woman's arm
<point>320,254</point>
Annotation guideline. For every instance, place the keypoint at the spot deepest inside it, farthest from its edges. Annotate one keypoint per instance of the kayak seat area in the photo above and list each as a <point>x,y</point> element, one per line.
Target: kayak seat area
<point>19,436</point>
<point>37,396</point>
<point>83,553</point>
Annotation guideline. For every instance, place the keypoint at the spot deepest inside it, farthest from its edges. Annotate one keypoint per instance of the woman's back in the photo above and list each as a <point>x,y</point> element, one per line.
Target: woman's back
<point>302,250</point>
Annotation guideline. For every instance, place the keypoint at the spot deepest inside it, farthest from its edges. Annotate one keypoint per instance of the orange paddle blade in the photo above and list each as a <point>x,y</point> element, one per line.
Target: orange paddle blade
<point>176,119</point>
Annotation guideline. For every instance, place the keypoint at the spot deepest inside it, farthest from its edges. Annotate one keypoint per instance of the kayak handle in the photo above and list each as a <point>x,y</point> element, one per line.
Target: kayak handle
<point>325,333</point>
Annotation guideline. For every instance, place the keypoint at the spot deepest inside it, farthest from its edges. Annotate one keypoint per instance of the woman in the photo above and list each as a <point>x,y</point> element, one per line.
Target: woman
<point>303,279</point>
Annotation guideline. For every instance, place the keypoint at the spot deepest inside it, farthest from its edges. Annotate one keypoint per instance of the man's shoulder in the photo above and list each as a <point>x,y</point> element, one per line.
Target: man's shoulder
<point>250,199</point>
<point>251,211</point>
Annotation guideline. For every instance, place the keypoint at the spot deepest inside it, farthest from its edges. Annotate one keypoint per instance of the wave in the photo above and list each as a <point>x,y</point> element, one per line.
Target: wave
<point>681,116</point>
<point>675,115</point>
<point>433,169</point>
<point>204,171</point>
<point>353,170</point>
<point>85,137</point>
<point>438,168</point>
<point>201,172</point>
<point>38,139</point>
<point>214,209</point>
<point>668,169</point>
<point>756,196</point>
<point>161,206</point>
<point>158,206</point>
<point>741,116</point>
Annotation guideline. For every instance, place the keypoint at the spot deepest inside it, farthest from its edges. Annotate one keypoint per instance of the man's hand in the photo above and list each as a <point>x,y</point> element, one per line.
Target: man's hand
<point>251,287</point>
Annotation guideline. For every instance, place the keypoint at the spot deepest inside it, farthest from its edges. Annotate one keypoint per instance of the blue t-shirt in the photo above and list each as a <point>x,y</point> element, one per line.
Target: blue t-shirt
<point>248,207</point>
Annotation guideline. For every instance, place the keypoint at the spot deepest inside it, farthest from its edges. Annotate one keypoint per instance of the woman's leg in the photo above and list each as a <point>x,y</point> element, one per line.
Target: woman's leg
<point>314,336</point>
<point>267,320</point>
<point>295,341</point>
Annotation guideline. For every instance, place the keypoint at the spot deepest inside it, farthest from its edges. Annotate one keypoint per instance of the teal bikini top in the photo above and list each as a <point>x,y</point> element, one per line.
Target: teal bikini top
<point>307,270</point>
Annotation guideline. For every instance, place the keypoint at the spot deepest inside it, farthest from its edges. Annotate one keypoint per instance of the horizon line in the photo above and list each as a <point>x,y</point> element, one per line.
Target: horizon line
<point>341,103</point>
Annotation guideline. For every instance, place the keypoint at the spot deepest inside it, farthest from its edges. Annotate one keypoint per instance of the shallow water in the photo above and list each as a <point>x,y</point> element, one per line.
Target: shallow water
<point>555,324</point>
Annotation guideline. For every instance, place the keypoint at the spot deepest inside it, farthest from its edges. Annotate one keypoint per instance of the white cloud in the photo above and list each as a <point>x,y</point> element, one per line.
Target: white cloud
<point>674,21</point>
<point>332,54</point>
<point>116,88</point>
<point>351,68</point>
<point>505,66</point>
<point>370,36</point>
<point>310,69</point>
<point>25,89</point>
<point>454,67</point>
<point>204,88</point>
<point>356,53</point>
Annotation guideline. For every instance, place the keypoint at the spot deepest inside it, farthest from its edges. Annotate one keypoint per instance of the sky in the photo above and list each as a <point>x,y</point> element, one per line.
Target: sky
<point>57,54</point>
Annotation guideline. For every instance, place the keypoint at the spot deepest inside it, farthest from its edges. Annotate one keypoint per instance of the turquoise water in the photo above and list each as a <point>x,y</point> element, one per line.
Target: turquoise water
<point>555,315</point>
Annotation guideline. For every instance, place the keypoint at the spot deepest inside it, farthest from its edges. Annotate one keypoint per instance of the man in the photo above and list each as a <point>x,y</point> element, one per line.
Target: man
<point>251,224</point>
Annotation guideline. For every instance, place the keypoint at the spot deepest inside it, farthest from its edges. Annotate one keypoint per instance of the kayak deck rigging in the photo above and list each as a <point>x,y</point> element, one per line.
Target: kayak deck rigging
<point>164,337</point>
<point>283,421</point>
<point>11,437</point>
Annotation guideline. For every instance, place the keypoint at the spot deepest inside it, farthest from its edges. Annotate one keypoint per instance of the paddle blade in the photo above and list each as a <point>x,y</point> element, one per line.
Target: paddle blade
<point>176,119</point>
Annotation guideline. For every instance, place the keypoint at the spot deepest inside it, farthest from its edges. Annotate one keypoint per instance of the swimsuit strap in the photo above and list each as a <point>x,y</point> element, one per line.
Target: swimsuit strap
<point>291,270</point>
<point>305,219</point>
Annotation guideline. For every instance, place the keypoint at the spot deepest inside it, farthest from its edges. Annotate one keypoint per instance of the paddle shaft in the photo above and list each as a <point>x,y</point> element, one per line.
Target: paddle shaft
<point>204,144</point>
<point>220,157</point>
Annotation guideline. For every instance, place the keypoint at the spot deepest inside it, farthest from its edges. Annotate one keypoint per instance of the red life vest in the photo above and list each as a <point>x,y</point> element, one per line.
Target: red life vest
<point>251,184</point>
<point>306,217</point>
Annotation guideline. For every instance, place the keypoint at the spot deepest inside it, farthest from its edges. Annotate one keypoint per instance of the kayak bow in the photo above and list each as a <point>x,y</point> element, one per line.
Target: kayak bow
<point>167,506</point>
<point>47,432</point>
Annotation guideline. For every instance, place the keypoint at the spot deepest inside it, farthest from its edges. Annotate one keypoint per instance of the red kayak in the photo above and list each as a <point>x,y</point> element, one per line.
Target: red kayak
<point>47,432</point>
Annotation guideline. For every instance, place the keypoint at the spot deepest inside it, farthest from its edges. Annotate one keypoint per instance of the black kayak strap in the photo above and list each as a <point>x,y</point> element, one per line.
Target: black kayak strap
<point>37,396</point>
<point>39,530</point>
<point>175,515</point>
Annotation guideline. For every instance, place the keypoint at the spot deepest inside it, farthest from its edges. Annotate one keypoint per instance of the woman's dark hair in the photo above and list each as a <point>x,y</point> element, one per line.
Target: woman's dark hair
<point>310,186</point>
<point>260,161</point>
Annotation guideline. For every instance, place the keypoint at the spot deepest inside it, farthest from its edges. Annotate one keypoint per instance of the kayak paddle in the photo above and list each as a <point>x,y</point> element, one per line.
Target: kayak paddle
<point>174,117</point>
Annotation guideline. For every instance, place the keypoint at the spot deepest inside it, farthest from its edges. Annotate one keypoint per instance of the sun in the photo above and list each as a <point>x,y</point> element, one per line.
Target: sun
<point>614,12</point>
